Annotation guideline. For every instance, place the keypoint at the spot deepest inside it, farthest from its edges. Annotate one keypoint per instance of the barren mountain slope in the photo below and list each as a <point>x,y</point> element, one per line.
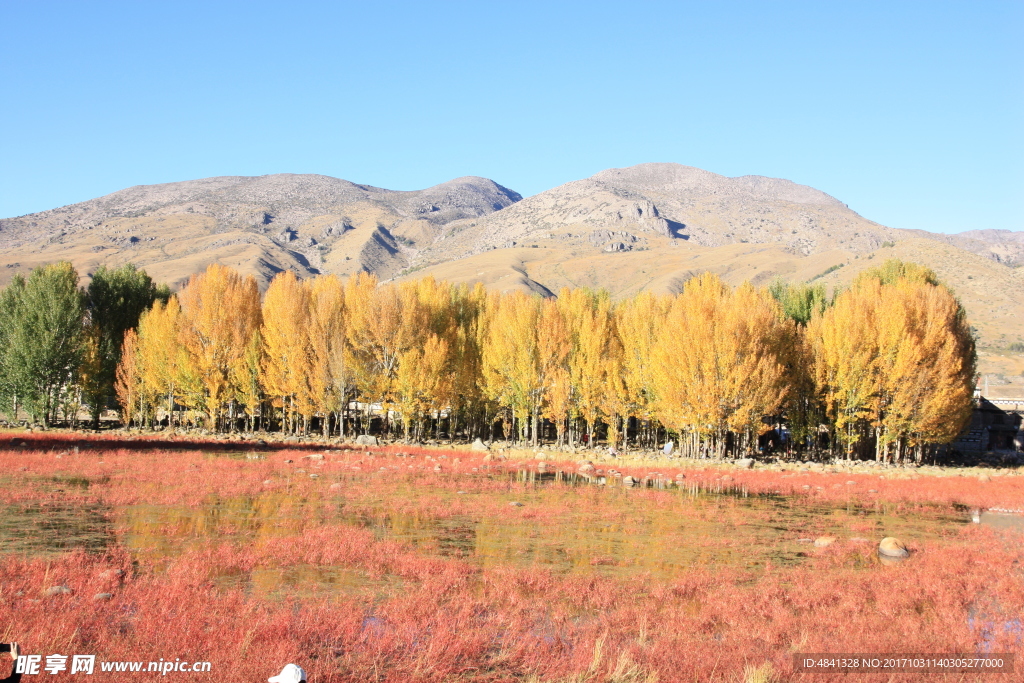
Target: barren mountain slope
<point>261,225</point>
<point>992,293</point>
<point>620,209</point>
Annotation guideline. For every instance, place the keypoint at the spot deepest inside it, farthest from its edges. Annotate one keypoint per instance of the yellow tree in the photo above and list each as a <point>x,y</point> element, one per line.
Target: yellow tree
<point>434,354</point>
<point>637,323</point>
<point>159,352</point>
<point>615,398</point>
<point>128,382</point>
<point>510,363</point>
<point>422,380</point>
<point>894,360</point>
<point>927,367</point>
<point>245,378</point>
<point>383,323</point>
<point>465,346</point>
<point>718,363</point>
<point>286,347</point>
<point>329,382</point>
<point>844,341</point>
<point>759,337</point>
<point>590,321</point>
<point>91,378</point>
<point>220,312</point>
<point>554,344</point>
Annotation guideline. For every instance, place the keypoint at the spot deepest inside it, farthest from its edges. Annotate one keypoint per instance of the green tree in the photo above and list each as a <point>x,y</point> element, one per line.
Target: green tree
<point>12,378</point>
<point>115,300</point>
<point>800,302</point>
<point>44,338</point>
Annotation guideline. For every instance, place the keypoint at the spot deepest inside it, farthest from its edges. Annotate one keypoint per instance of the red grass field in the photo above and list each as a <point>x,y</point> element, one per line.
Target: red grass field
<point>224,559</point>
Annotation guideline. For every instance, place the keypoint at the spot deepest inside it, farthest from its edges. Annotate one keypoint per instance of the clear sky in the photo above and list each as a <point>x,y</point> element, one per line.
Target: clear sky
<point>910,112</point>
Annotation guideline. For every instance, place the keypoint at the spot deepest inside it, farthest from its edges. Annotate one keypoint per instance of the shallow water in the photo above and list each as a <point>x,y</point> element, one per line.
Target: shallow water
<point>1001,520</point>
<point>625,535</point>
<point>54,528</point>
<point>309,581</point>
<point>564,525</point>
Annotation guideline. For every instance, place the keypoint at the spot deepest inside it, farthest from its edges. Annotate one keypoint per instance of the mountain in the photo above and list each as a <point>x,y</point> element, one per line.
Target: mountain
<point>700,208</point>
<point>645,227</point>
<point>260,225</point>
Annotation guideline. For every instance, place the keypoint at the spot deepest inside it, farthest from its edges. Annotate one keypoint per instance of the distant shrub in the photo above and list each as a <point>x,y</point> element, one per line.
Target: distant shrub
<point>830,269</point>
<point>1017,347</point>
<point>888,244</point>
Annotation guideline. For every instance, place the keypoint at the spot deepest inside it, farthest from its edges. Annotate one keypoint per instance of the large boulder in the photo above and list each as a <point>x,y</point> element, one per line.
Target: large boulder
<point>367,440</point>
<point>479,445</point>
<point>745,463</point>
<point>892,547</point>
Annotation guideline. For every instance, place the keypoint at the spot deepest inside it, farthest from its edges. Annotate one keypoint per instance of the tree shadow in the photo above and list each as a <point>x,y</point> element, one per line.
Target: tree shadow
<point>70,442</point>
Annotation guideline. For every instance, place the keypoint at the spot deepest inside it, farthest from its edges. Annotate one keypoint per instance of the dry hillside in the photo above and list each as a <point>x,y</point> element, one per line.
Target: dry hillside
<point>262,225</point>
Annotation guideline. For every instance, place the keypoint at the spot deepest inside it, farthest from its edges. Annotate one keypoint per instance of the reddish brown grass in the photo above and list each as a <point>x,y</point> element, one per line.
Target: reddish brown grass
<point>455,619</point>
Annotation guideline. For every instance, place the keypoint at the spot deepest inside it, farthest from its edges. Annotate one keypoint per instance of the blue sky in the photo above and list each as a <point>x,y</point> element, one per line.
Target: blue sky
<point>910,112</point>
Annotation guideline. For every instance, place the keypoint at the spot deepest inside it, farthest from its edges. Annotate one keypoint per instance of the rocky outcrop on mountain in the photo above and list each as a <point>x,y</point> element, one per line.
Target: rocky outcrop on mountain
<point>1004,246</point>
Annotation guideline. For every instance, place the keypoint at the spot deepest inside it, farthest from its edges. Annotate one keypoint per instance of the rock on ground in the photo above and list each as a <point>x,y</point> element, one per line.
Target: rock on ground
<point>892,547</point>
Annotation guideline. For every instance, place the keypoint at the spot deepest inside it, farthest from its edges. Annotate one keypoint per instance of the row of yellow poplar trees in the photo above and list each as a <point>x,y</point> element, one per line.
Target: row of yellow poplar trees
<point>884,368</point>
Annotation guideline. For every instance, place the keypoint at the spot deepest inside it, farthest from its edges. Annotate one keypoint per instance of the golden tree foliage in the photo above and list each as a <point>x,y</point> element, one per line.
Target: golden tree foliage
<point>510,359</point>
<point>220,312</point>
<point>422,378</point>
<point>245,378</point>
<point>718,360</point>
<point>894,360</point>
<point>465,347</point>
<point>287,366</point>
<point>128,380</point>
<point>845,351</point>
<point>637,322</point>
<point>384,323</point>
<point>329,379</point>
<point>593,345</point>
<point>887,364</point>
<point>90,369</point>
<point>160,357</point>
<point>554,344</point>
